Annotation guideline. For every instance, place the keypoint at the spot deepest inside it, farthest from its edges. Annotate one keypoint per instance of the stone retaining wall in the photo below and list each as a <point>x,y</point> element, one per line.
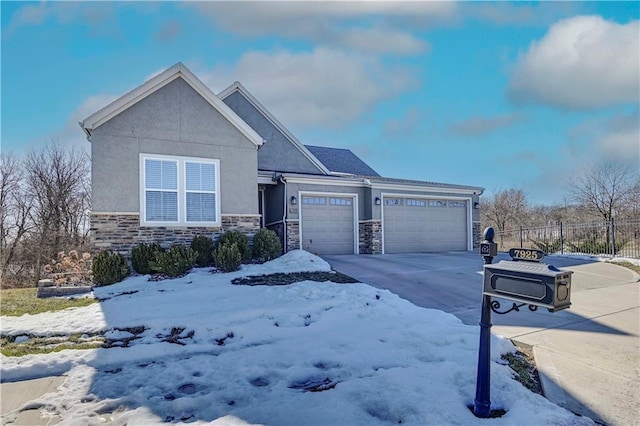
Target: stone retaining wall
<point>121,232</point>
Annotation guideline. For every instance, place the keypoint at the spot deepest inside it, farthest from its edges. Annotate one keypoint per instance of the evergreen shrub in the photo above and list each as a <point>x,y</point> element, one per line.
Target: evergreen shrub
<point>175,262</point>
<point>203,246</point>
<point>227,257</point>
<point>266,245</point>
<point>142,255</point>
<point>241,241</point>
<point>108,268</point>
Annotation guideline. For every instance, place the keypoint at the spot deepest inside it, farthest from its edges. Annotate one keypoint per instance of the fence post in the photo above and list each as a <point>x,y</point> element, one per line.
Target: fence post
<point>561,239</point>
<point>521,246</point>
<point>613,238</point>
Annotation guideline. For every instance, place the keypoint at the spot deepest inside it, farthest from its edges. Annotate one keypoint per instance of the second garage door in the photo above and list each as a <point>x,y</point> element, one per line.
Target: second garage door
<point>327,224</point>
<point>413,225</point>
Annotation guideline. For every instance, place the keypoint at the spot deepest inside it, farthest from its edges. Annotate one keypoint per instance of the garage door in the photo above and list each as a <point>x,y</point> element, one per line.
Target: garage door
<point>327,224</point>
<point>413,225</point>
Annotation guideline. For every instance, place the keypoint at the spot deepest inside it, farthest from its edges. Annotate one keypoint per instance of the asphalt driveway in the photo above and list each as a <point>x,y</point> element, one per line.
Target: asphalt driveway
<point>588,356</point>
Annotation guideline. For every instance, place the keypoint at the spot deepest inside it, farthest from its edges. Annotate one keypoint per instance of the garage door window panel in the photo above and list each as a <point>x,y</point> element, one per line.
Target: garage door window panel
<point>340,201</point>
<point>314,200</point>
<point>415,203</point>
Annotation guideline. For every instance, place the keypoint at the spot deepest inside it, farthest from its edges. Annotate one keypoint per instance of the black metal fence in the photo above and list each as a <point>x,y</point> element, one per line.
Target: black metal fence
<point>614,238</point>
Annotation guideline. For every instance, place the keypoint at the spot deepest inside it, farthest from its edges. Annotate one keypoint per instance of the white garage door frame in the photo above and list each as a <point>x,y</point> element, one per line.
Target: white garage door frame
<point>468,201</point>
<point>356,245</point>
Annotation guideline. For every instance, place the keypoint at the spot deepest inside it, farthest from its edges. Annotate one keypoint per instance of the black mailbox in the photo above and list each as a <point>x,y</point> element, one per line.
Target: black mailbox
<point>536,284</point>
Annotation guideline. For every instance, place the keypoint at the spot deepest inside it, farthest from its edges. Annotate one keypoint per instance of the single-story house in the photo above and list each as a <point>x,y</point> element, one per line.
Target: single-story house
<point>171,159</point>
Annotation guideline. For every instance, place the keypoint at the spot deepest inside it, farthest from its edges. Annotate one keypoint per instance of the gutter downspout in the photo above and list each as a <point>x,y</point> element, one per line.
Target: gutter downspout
<point>282,179</point>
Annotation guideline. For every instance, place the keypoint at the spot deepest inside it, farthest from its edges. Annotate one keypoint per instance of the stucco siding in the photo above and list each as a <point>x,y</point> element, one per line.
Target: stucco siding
<point>176,121</point>
<point>277,153</point>
<point>114,175</point>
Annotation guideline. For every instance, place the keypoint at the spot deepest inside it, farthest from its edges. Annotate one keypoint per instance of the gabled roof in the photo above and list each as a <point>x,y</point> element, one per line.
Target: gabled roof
<point>156,83</point>
<point>339,160</point>
<point>237,87</point>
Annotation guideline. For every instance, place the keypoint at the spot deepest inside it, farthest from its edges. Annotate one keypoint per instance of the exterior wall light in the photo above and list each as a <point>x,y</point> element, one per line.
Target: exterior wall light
<point>378,201</point>
<point>476,205</point>
<point>294,200</point>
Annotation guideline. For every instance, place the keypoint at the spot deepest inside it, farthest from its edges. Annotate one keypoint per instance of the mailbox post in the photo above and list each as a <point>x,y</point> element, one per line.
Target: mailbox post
<point>482,402</point>
<point>524,281</point>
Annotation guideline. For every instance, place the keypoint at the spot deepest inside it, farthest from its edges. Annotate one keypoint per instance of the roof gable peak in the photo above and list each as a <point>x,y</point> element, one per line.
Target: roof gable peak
<point>236,86</point>
<point>157,82</point>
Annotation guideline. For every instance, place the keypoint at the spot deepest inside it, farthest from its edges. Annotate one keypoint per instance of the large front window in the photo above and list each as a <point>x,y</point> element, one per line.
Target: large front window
<point>179,191</point>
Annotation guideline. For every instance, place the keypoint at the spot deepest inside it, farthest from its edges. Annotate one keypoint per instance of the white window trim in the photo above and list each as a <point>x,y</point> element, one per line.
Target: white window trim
<point>182,214</point>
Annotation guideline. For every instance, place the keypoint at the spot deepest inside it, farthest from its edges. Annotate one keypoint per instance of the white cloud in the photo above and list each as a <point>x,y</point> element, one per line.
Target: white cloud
<point>383,41</point>
<point>72,134</point>
<point>99,16</point>
<point>614,138</point>
<point>582,62</point>
<point>332,24</point>
<point>475,126</point>
<point>519,13</point>
<point>324,87</point>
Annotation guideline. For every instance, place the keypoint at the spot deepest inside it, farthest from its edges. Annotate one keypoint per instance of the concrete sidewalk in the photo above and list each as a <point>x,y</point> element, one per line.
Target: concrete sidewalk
<point>13,395</point>
<point>588,356</point>
<point>592,365</point>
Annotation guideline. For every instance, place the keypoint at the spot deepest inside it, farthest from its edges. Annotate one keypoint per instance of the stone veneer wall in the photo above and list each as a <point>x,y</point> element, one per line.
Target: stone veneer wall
<point>122,231</point>
<point>477,236</point>
<point>370,236</point>
<point>293,234</point>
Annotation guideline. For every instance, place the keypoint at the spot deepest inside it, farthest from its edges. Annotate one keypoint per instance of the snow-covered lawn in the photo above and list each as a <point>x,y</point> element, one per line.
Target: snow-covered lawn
<point>303,354</point>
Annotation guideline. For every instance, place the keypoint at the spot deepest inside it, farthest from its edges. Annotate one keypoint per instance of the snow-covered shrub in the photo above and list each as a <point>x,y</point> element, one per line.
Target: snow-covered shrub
<point>175,262</point>
<point>266,245</point>
<point>142,255</point>
<point>203,246</point>
<point>109,268</point>
<point>241,241</point>
<point>227,256</point>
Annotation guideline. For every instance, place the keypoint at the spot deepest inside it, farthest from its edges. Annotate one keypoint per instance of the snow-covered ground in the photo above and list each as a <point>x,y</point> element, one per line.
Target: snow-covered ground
<point>303,354</point>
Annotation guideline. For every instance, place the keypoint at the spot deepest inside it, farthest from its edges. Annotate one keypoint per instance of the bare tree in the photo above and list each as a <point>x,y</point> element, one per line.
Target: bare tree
<point>15,208</point>
<point>57,181</point>
<point>506,209</point>
<point>607,189</point>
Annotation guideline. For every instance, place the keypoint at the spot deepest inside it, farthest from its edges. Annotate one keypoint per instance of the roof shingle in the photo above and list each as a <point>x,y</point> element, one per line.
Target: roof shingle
<point>340,160</point>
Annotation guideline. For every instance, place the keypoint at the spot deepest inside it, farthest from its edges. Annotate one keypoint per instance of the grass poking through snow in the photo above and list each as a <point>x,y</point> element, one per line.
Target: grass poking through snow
<point>20,301</point>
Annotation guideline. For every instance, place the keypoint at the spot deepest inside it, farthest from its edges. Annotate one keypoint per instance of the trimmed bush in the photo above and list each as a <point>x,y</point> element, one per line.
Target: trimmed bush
<point>241,241</point>
<point>108,268</point>
<point>266,245</point>
<point>203,246</point>
<point>142,255</point>
<point>175,262</point>
<point>227,257</point>
<point>596,247</point>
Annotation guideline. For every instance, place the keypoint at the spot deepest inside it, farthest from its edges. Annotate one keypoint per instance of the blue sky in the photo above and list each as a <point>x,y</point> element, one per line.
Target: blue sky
<point>495,94</point>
